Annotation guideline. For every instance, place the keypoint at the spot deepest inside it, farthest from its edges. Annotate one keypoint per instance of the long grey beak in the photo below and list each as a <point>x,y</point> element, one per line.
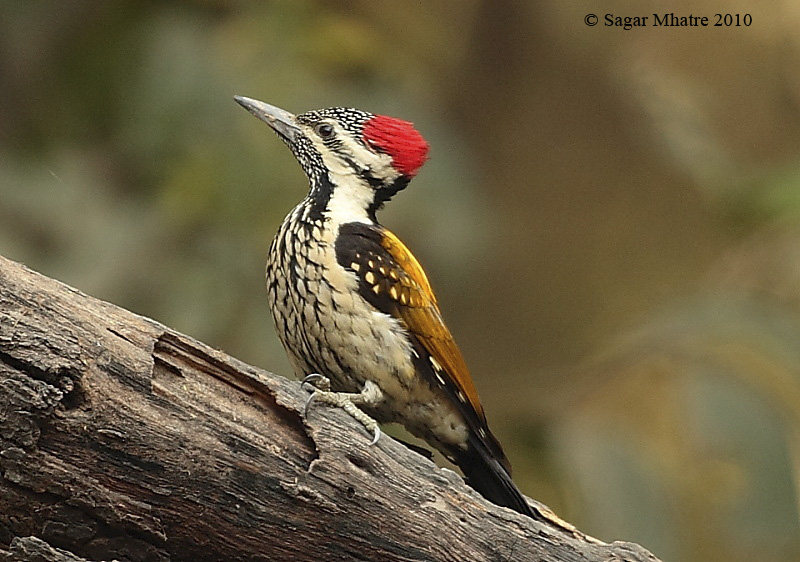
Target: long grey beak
<point>282,121</point>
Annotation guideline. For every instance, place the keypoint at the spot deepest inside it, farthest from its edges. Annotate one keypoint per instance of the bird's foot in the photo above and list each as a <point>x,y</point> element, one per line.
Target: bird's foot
<point>347,401</point>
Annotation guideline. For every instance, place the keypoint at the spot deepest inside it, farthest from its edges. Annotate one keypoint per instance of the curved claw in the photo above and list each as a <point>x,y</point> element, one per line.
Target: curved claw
<point>376,437</point>
<point>349,402</point>
<point>312,377</point>
<point>308,402</point>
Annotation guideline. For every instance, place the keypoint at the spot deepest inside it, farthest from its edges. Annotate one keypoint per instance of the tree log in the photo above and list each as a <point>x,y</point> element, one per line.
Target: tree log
<point>123,439</point>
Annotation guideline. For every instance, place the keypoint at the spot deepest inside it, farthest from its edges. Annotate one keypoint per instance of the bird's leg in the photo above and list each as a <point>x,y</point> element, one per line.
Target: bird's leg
<point>347,401</point>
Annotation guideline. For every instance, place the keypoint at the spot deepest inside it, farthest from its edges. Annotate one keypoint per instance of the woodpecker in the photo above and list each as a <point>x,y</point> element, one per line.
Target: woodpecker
<point>352,305</point>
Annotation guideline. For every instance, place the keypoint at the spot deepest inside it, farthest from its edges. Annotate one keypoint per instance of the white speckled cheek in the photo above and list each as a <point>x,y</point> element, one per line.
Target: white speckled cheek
<point>378,163</point>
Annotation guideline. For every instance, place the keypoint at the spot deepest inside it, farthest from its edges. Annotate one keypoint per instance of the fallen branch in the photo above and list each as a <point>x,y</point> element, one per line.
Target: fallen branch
<point>123,439</point>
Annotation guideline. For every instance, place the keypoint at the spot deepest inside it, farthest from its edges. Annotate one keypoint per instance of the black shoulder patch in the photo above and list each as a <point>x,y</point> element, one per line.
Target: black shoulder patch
<point>381,281</point>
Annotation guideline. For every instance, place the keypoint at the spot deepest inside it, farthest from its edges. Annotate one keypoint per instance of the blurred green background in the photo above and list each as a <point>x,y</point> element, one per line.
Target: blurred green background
<point>611,218</point>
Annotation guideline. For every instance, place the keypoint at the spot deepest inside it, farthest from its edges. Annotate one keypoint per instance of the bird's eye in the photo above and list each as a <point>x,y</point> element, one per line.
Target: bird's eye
<point>324,130</point>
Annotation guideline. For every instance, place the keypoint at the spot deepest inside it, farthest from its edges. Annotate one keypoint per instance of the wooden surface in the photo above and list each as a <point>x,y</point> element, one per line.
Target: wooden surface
<point>122,439</point>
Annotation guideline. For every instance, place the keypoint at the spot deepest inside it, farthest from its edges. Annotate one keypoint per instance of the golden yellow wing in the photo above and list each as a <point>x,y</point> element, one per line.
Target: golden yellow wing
<point>424,320</point>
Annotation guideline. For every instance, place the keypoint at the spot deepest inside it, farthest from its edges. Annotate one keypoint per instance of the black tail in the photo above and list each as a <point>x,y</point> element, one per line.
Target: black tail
<point>485,472</point>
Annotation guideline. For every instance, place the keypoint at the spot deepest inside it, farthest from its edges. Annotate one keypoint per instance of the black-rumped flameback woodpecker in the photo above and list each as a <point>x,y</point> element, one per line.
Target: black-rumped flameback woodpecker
<point>353,306</point>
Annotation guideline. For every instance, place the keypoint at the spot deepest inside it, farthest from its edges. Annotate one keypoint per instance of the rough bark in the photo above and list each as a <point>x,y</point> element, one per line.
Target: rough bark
<point>122,439</point>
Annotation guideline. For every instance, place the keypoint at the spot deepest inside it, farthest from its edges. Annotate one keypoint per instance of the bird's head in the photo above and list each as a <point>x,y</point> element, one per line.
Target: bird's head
<point>355,160</point>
